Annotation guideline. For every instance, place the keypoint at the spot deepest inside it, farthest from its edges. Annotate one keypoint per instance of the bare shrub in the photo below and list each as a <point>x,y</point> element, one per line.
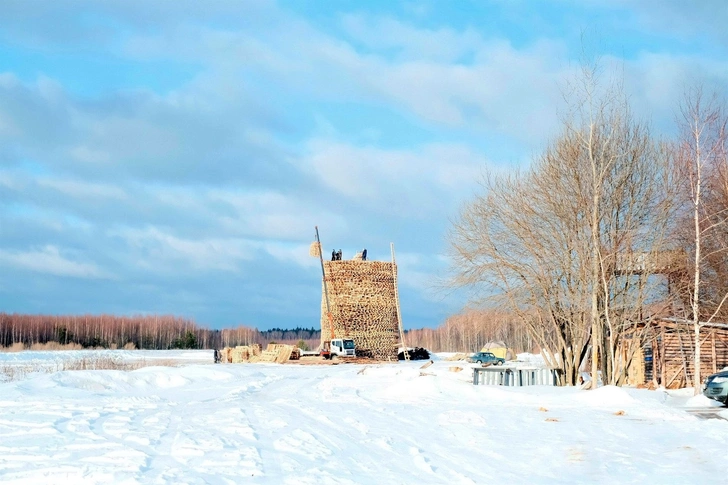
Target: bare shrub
<point>56,346</point>
<point>16,347</point>
<point>10,372</point>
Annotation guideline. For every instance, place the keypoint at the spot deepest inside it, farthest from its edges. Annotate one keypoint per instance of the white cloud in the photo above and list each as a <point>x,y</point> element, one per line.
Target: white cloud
<point>49,260</point>
<point>11,181</point>
<point>84,154</point>
<point>406,182</point>
<point>155,249</point>
<point>295,253</point>
<point>83,190</point>
<point>495,89</point>
<point>160,250</point>
<point>442,45</point>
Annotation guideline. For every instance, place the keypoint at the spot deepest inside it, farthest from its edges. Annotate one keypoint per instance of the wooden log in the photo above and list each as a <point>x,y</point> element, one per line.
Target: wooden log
<point>712,352</point>
<point>662,356</point>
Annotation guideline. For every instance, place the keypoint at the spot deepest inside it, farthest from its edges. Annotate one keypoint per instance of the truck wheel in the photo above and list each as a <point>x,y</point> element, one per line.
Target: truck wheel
<point>499,363</point>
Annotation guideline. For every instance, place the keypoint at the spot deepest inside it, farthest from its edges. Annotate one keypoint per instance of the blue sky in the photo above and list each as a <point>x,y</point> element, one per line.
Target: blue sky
<point>174,157</point>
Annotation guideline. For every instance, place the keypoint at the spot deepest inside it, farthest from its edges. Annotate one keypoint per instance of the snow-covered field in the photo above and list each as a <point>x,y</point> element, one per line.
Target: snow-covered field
<point>46,358</point>
<point>348,423</point>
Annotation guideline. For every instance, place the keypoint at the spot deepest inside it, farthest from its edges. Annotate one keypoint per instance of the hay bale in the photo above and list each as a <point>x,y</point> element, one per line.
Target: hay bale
<point>315,249</point>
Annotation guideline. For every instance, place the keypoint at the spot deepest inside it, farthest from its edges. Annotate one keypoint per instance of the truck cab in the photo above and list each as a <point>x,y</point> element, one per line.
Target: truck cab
<point>343,347</point>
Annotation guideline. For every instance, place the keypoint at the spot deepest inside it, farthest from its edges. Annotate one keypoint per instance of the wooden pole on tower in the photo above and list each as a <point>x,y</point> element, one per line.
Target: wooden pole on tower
<point>396,299</point>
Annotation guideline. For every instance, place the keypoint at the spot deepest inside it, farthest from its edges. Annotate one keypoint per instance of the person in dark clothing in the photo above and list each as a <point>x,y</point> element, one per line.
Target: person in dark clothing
<point>338,255</point>
<point>217,356</point>
<point>333,255</point>
<point>364,255</point>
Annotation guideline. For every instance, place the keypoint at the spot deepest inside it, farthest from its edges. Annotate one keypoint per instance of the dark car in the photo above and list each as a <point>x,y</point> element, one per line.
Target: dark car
<point>716,387</point>
<point>486,358</point>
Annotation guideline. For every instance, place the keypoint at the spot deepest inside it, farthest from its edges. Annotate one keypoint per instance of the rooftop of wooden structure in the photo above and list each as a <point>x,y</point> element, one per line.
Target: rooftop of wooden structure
<point>653,262</point>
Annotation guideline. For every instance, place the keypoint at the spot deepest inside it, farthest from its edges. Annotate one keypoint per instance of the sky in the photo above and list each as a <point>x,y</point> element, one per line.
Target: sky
<point>173,157</point>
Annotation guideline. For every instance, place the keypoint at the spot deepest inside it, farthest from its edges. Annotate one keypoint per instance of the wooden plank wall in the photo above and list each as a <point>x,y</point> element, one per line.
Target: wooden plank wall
<point>636,371</point>
<point>673,354</point>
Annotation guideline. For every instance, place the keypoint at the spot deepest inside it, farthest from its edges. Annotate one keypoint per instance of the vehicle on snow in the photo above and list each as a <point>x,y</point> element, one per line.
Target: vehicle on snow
<point>715,386</point>
<point>338,347</point>
<point>486,358</point>
<point>343,347</point>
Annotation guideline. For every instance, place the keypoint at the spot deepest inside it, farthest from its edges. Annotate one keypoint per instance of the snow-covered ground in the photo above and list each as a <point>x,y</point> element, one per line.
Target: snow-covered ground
<point>49,357</point>
<point>346,423</point>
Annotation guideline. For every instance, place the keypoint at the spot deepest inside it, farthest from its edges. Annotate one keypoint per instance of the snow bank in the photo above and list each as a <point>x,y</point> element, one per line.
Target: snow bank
<point>343,423</point>
<point>701,401</point>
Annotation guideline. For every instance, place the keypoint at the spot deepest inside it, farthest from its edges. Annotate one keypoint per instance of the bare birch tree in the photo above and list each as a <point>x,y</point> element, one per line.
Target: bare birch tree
<point>700,160</point>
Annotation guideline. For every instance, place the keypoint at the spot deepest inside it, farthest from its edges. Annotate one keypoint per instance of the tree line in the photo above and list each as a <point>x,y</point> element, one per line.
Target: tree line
<point>470,330</point>
<point>141,332</point>
<point>608,229</point>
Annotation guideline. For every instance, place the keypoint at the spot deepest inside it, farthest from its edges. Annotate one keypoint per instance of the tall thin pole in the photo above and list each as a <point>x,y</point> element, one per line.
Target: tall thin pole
<point>323,272</point>
<point>326,288</point>
<point>396,299</point>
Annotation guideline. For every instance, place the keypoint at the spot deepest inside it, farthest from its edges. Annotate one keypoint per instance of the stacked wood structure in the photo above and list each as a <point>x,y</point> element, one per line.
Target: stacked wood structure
<point>363,304</point>
<point>278,353</point>
<point>666,352</point>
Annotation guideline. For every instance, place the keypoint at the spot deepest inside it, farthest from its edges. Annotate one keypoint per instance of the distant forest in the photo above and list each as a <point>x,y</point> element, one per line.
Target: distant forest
<point>142,332</point>
<point>466,331</point>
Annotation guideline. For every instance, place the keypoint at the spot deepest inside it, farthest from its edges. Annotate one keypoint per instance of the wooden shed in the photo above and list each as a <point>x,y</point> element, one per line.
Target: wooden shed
<point>665,356</point>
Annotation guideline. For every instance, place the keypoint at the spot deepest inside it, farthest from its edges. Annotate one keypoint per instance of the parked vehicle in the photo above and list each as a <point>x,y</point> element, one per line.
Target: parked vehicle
<point>486,358</point>
<point>338,348</point>
<point>716,387</point>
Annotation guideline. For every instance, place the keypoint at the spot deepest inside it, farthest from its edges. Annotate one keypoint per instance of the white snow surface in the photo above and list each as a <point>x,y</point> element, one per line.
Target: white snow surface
<point>346,423</point>
<point>43,357</point>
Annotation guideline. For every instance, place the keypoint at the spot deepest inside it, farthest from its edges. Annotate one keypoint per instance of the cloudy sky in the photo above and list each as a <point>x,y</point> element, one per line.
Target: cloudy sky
<point>174,156</point>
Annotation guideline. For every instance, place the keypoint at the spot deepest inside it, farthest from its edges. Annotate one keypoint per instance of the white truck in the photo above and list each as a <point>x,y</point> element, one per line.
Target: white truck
<point>339,347</point>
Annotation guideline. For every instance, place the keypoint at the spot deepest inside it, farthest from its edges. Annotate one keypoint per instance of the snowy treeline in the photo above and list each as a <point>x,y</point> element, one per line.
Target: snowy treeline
<point>142,332</point>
